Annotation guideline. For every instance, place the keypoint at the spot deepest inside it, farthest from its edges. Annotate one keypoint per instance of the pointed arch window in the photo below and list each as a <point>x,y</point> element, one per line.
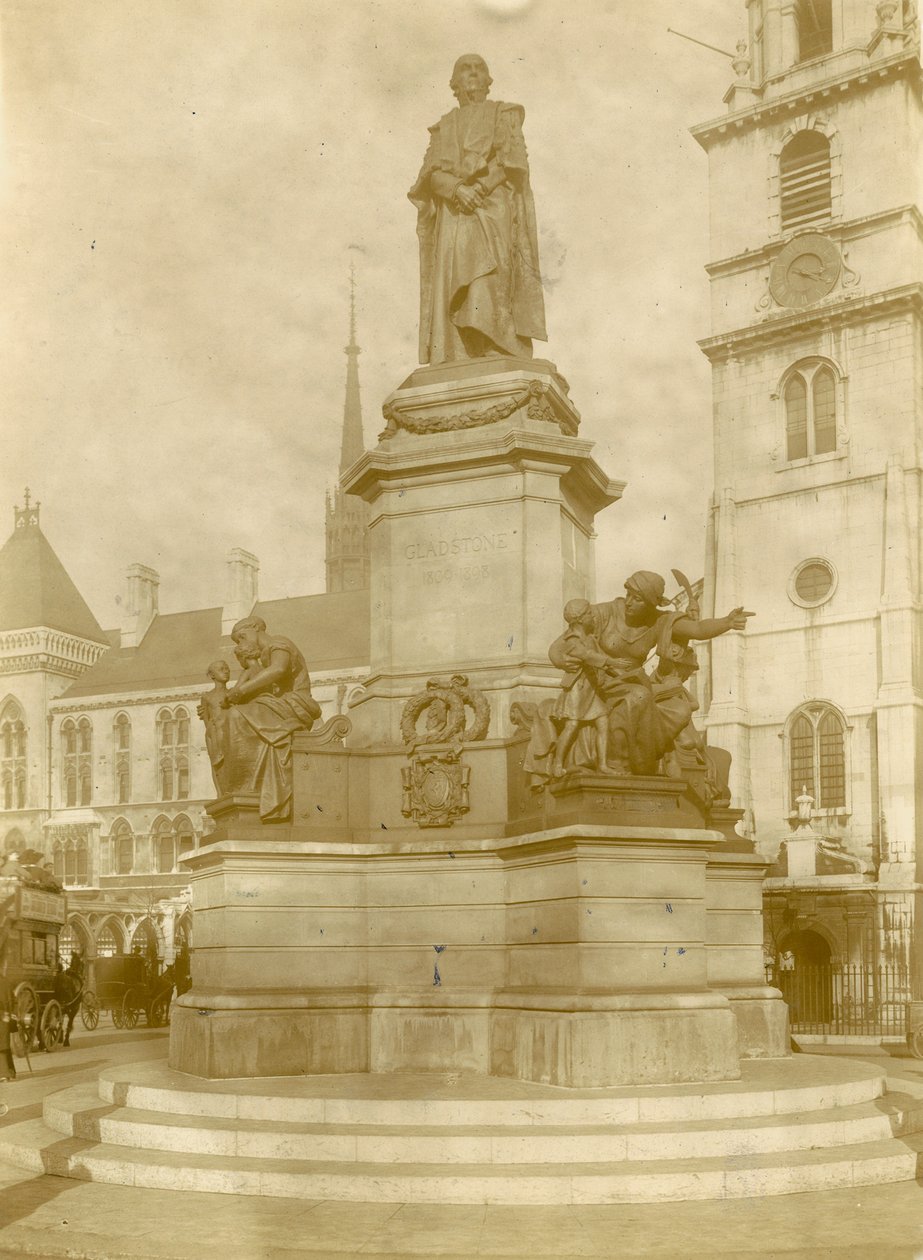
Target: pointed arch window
<point>185,837</point>
<point>813,405</point>
<point>173,754</point>
<point>77,757</point>
<point>70,859</point>
<point>817,756</point>
<point>121,855</point>
<point>107,944</point>
<point>121,738</point>
<point>12,757</point>
<point>164,847</point>
<point>805,181</point>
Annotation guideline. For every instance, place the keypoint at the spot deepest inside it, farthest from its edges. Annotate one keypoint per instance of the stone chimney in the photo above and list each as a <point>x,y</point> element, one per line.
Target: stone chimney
<point>139,607</point>
<point>243,587</point>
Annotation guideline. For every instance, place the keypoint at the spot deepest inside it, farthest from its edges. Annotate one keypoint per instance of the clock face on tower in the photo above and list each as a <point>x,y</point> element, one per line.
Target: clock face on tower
<point>805,271</point>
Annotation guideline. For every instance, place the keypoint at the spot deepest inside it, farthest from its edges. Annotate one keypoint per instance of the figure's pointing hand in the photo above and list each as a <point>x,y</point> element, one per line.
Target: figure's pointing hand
<point>737,618</point>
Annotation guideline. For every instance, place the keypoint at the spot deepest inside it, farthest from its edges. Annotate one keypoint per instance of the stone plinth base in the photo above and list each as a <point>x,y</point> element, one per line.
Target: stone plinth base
<point>225,1040</point>
<point>575,956</point>
<point>632,1039</point>
<point>734,901</point>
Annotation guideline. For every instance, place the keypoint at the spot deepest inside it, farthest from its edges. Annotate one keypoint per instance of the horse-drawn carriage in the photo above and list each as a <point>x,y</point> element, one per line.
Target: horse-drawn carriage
<point>34,914</point>
<point>127,986</point>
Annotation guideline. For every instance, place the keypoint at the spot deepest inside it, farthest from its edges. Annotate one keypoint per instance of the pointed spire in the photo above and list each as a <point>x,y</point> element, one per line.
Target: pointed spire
<point>353,443</point>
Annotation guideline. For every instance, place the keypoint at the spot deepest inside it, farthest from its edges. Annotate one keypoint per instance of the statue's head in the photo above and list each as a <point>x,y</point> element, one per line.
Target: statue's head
<point>643,595</point>
<point>576,611</point>
<point>219,671</point>
<point>470,79</point>
<point>246,635</point>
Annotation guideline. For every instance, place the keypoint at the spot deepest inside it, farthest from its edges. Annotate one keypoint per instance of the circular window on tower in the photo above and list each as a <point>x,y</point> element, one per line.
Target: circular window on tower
<point>812,583</point>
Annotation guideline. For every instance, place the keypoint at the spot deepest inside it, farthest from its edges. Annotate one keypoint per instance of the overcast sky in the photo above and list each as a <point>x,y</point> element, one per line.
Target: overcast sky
<point>184,185</point>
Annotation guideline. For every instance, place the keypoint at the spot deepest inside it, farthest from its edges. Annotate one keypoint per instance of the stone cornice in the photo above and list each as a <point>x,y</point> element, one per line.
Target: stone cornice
<point>126,700</point>
<point>53,651</point>
<point>121,700</point>
<point>842,232</point>
<point>836,314</point>
<point>905,63</point>
<point>44,663</point>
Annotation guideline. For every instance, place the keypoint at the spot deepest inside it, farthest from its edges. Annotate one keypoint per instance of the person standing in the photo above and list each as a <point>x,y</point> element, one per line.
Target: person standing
<point>6,1024</point>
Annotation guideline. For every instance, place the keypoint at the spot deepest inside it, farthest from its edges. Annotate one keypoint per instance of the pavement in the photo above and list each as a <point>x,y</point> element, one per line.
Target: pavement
<point>56,1217</point>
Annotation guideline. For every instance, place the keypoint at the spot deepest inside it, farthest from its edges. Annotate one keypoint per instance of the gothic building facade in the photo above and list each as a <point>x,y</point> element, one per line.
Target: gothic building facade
<point>817,362</point>
<point>103,766</point>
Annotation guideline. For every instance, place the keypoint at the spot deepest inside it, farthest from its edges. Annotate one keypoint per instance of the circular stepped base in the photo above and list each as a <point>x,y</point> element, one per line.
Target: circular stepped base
<point>788,1125</point>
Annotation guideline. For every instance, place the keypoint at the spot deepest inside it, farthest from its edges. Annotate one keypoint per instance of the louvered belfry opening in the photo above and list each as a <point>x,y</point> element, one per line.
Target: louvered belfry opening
<point>815,28</point>
<point>804,174</point>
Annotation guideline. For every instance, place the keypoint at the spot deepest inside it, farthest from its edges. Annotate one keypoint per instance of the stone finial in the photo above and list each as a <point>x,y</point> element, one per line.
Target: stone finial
<point>27,515</point>
<point>886,10</point>
<point>805,804</point>
<point>741,63</point>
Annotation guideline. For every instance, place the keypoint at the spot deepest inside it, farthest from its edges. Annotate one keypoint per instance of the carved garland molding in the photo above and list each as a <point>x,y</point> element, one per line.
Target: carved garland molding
<point>533,397</point>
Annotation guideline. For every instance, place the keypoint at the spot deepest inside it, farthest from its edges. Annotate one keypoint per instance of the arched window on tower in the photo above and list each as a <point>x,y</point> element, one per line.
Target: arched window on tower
<point>812,402</point>
<point>815,28</point>
<point>12,757</point>
<point>817,756</point>
<point>805,184</point>
<point>121,738</point>
<point>173,754</point>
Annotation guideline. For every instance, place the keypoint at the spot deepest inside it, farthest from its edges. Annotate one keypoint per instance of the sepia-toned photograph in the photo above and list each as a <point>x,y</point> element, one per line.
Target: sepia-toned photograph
<point>461,618</point>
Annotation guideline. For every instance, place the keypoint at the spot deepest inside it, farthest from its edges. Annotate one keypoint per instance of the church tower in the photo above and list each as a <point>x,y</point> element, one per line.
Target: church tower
<point>817,360</point>
<point>347,516</point>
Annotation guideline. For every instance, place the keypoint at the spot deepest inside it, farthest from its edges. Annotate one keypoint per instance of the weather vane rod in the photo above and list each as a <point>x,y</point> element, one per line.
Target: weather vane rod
<point>701,43</point>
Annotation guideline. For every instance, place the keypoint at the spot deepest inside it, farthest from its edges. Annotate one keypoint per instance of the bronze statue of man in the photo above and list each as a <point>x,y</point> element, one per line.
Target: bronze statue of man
<point>251,748</point>
<point>480,286</point>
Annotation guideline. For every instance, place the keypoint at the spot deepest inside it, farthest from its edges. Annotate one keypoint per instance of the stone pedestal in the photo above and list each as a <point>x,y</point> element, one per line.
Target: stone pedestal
<point>479,534</point>
<point>565,937</point>
<point>734,954</point>
<point>573,955</point>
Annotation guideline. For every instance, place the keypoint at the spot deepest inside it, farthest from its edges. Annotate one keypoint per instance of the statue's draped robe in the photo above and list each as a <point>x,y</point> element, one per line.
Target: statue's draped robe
<point>480,286</point>
<point>258,735</point>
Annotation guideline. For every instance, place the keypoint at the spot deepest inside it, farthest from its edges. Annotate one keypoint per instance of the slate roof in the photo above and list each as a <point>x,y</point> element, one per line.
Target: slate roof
<point>331,630</point>
<point>35,589</point>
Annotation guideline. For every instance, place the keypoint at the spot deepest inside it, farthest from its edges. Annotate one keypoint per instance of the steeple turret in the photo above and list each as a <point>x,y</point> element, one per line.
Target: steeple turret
<point>347,516</point>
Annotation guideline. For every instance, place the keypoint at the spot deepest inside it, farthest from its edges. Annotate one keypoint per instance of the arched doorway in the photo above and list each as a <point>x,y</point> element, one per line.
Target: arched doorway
<point>144,941</point>
<point>807,982</point>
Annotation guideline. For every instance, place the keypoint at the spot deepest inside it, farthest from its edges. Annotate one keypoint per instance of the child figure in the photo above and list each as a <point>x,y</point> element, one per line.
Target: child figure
<point>213,712</point>
<point>580,703</point>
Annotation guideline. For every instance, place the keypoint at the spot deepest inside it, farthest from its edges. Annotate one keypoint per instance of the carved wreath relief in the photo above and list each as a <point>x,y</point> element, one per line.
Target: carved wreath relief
<point>435,784</point>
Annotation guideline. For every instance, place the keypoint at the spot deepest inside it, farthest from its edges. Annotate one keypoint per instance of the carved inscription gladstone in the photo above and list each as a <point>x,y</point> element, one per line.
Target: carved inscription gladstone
<point>461,559</point>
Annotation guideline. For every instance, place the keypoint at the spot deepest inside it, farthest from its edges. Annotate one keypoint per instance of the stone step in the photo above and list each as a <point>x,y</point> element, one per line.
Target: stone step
<point>77,1112</point>
<point>33,1145</point>
<point>767,1087</point>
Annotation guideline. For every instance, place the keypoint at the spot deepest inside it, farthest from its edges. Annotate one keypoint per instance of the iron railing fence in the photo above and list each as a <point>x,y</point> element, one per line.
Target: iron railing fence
<point>846,999</point>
